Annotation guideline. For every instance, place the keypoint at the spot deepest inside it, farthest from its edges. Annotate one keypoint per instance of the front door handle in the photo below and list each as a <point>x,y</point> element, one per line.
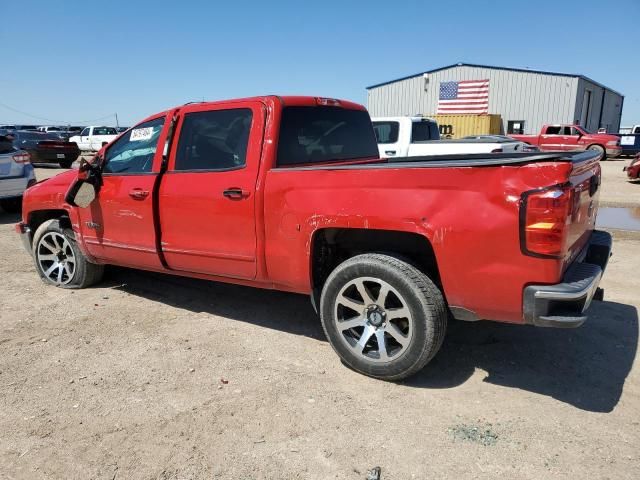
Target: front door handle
<point>235,193</point>
<point>390,152</point>
<point>138,193</point>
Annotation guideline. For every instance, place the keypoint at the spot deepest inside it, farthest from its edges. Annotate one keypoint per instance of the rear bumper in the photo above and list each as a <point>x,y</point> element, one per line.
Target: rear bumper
<point>11,187</point>
<point>564,305</point>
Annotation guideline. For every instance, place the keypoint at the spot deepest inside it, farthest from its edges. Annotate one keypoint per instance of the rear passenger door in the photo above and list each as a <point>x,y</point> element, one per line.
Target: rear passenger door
<point>551,139</point>
<point>207,200</point>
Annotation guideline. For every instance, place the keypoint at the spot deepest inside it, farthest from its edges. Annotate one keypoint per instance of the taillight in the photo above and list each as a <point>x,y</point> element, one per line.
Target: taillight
<point>545,219</point>
<point>22,157</point>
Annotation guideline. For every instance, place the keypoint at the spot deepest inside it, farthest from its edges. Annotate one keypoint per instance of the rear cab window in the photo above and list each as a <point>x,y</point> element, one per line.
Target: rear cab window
<point>322,134</point>
<point>386,131</point>
<point>424,131</point>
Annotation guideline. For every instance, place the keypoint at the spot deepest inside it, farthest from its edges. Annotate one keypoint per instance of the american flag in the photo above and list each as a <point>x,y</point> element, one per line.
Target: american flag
<point>465,96</point>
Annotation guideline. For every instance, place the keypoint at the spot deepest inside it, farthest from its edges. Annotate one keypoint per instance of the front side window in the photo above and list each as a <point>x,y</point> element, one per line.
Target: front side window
<point>214,140</point>
<point>134,151</point>
<point>324,134</point>
<point>386,132</point>
<point>85,132</point>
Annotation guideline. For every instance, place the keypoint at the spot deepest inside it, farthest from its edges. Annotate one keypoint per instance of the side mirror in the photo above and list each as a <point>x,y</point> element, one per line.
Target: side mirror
<point>81,194</point>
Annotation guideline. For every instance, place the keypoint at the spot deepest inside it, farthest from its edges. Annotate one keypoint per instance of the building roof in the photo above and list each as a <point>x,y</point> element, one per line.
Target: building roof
<point>525,70</point>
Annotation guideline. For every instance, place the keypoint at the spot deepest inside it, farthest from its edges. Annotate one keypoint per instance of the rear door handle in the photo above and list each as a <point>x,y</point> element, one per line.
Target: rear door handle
<point>390,152</point>
<point>235,193</point>
<point>138,193</point>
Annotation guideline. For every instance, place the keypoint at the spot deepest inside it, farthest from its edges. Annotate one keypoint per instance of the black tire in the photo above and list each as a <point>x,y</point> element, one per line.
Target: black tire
<point>11,205</point>
<point>423,329</point>
<point>83,274</point>
<point>600,149</point>
<point>66,163</point>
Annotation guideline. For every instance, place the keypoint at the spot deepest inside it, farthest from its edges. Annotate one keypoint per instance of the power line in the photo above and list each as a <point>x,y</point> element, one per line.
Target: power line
<point>52,120</point>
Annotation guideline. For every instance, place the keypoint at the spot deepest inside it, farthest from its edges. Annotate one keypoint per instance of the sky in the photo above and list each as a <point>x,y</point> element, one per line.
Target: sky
<point>80,62</point>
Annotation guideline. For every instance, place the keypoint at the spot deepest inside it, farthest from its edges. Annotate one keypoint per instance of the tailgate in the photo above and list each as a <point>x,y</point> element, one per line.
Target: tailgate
<point>585,182</point>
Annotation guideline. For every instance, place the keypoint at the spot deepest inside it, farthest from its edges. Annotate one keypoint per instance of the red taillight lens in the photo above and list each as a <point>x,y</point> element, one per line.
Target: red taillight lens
<point>22,157</point>
<point>546,219</point>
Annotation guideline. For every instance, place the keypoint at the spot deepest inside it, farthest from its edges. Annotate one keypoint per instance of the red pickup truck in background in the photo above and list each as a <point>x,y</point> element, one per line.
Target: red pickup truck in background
<point>289,193</point>
<point>573,137</point>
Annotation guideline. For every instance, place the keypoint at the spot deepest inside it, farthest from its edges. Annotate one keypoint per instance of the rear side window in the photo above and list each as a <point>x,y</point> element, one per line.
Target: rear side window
<point>214,140</point>
<point>104,131</point>
<point>554,130</point>
<point>424,131</point>
<point>324,134</point>
<point>386,132</point>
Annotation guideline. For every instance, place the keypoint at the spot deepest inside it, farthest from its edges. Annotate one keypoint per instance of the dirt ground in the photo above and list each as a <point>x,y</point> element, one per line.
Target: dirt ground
<point>157,377</point>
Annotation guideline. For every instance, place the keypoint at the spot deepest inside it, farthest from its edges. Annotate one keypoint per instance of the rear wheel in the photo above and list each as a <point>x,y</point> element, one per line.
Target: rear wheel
<point>11,205</point>
<point>58,259</point>
<point>66,163</point>
<point>384,317</point>
<point>600,149</point>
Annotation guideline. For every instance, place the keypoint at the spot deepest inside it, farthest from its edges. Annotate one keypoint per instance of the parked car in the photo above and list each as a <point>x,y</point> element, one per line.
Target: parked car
<point>633,169</point>
<point>573,137</point>
<point>46,147</point>
<point>420,136</point>
<point>16,175</point>
<point>630,140</point>
<point>93,138</point>
<point>289,193</point>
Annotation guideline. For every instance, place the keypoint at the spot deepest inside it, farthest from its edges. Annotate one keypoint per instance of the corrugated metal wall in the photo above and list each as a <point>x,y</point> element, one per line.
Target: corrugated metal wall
<point>605,114</point>
<point>533,97</point>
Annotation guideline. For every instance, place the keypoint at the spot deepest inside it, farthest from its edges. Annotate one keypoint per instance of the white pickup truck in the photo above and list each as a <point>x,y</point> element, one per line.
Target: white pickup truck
<point>93,138</point>
<point>420,136</point>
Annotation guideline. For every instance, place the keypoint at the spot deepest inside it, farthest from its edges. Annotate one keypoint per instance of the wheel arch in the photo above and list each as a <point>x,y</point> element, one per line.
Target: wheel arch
<point>332,246</point>
<point>38,217</point>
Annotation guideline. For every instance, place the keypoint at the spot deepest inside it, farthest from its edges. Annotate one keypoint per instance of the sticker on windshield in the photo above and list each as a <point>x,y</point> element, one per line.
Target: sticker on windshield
<point>141,134</point>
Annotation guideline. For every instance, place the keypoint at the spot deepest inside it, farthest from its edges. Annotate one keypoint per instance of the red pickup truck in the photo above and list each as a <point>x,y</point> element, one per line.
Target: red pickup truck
<point>289,193</point>
<point>573,137</point>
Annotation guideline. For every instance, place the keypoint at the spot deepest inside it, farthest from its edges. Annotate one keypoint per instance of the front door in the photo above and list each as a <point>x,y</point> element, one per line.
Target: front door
<point>118,227</point>
<point>207,197</point>
<point>571,139</point>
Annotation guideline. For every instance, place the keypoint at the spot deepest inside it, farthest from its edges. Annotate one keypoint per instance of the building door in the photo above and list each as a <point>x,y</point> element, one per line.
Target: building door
<point>586,108</point>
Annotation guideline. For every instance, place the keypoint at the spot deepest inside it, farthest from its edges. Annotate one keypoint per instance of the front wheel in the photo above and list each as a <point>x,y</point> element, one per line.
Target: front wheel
<point>58,259</point>
<point>382,316</point>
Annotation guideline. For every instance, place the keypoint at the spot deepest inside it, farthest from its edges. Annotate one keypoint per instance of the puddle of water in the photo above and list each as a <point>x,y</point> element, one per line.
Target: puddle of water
<point>619,218</point>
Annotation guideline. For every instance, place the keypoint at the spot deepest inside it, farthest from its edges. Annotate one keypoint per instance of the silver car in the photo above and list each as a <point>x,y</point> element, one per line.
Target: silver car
<point>16,174</point>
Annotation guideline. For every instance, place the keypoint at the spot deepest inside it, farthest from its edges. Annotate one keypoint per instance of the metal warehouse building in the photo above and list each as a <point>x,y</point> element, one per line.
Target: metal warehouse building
<point>524,99</point>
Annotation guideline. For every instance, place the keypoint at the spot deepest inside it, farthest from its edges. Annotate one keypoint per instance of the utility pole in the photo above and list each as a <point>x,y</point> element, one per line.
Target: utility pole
<point>117,124</point>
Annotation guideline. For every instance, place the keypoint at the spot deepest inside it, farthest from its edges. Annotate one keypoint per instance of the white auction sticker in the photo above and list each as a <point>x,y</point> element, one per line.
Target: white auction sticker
<point>141,134</point>
<point>627,140</point>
